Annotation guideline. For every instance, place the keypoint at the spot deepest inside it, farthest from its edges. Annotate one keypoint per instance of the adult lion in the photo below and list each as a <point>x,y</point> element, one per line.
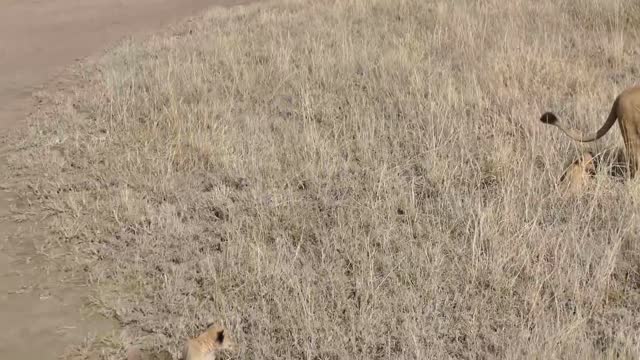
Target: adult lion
<point>626,109</point>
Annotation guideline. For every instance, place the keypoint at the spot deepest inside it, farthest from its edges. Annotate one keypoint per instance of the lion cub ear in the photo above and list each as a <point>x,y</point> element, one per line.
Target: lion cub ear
<point>221,337</point>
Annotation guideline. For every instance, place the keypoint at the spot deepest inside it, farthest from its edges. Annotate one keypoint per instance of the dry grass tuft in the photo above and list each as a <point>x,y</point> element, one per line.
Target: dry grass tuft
<point>354,180</point>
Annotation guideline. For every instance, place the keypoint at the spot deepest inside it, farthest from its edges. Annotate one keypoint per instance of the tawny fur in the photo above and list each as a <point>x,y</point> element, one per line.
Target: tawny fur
<point>625,109</point>
<point>207,344</point>
<point>578,173</point>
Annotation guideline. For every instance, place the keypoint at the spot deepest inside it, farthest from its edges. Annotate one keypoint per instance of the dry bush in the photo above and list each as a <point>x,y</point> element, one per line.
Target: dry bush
<point>354,180</point>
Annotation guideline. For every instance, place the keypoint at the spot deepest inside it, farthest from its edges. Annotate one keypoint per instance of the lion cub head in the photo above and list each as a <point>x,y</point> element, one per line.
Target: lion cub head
<point>578,173</point>
<point>207,344</point>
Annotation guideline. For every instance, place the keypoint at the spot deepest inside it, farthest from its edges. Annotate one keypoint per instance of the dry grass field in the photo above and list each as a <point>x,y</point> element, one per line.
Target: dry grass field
<point>358,179</point>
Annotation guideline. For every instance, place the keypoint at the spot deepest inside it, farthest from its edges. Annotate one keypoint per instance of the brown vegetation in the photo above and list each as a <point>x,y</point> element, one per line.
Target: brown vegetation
<point>352,180</point>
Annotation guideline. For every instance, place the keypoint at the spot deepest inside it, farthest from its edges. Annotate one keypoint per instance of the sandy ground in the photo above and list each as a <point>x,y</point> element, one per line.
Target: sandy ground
<point>41,312</point>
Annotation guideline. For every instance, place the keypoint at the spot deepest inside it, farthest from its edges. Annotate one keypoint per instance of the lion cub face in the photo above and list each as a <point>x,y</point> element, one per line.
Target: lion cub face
<point>578,173</point>
<point>207,344</point>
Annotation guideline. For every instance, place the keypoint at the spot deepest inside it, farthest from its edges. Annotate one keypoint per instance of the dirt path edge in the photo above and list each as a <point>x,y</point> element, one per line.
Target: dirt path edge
<point>43,307</point>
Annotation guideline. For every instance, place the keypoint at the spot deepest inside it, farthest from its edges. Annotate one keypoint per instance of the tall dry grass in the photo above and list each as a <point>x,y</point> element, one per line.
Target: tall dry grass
<point>353,180</point>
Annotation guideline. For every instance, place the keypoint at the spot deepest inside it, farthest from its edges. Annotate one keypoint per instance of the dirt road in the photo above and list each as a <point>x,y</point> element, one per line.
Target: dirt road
<point>40,312</point>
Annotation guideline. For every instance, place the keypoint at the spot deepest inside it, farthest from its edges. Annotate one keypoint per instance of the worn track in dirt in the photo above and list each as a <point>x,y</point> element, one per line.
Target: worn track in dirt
<point>40,311</point>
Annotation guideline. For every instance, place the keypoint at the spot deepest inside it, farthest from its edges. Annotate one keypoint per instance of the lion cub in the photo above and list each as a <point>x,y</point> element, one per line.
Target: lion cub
<point>207,344</point>
<point>579,171</point>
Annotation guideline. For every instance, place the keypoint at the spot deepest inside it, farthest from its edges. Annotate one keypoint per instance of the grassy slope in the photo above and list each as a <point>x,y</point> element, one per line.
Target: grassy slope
<point>354,180</point>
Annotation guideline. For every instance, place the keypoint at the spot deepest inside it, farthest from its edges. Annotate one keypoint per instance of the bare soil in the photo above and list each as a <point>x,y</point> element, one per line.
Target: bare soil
<point>41,307</point>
